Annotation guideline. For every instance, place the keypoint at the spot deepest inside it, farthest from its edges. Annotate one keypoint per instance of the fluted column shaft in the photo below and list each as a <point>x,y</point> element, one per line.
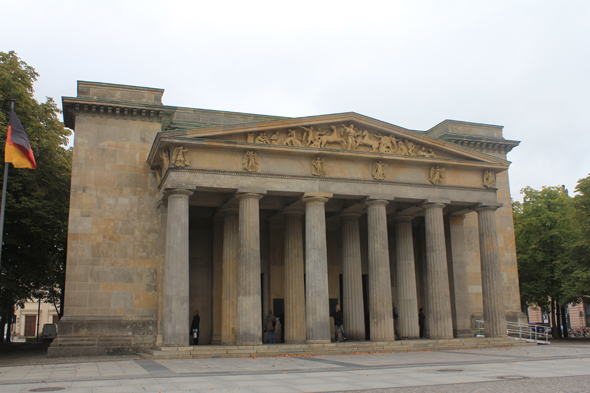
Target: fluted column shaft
<point>176,286</point>
<point>494,315</point>
<point>294,275</point>
<point>229,280</point>
<point>317,313</point>
<point>380,308</point>
<point>217,279</point>
<point>406,279</point>
<point>249,295</point>
<point>439,316</point>
<point>352,278</point>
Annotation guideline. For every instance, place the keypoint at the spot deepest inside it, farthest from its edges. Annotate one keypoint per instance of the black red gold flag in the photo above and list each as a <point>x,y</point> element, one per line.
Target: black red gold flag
<point>18,148</point>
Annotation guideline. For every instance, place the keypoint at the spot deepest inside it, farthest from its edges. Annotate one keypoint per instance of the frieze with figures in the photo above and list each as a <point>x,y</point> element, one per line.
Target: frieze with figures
<point>345,137</point>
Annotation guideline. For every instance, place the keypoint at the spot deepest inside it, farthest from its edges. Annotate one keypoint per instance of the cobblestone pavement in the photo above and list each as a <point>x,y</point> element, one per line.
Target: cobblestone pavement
<point>553,368</point>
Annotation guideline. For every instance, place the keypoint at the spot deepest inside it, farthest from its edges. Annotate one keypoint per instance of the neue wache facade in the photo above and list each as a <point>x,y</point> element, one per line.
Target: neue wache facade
<point>179,209</point>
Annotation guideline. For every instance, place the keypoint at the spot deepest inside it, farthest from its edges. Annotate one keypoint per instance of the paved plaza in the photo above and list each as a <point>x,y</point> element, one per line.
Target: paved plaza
<point>553,368</point>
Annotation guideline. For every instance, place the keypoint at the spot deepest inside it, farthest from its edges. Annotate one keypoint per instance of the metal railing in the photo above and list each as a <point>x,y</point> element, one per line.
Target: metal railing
<point>531,333</point>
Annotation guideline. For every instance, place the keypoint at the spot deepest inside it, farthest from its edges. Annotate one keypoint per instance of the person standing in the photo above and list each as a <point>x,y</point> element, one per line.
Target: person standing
<point>339,323</point>
<point>270,323</point>
<point>195,328</point>
<point>395,322</point>
<point>282,322</point>
<point>421,321</point>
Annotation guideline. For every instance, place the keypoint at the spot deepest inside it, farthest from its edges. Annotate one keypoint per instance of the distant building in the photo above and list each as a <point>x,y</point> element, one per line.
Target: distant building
<point>578,315</point>
<point>175,209</point>
<point>26,318</point>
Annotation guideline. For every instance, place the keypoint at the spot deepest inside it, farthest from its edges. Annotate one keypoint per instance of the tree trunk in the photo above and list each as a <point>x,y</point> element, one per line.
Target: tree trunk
<point>564,322</point>
<point>553,322</point>
<point>2,323</point>
<point>558,319</point>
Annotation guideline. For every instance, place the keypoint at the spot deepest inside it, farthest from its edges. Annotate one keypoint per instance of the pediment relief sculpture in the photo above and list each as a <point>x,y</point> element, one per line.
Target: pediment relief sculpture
<point>489,179</point>
<point>344,137</point>
<point>437,175</point>
<point>165,156</point>
<point>180,157</point>
<point>251,162</point>
<point>318,167</point>
<point>379,170</point>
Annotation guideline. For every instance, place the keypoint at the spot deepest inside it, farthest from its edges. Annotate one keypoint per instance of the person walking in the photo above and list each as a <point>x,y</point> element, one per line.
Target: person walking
<point>195,328</point>
<point>395,322</point>
<point>339,323</point>
<point>421,321</point>
<point>270,323</point>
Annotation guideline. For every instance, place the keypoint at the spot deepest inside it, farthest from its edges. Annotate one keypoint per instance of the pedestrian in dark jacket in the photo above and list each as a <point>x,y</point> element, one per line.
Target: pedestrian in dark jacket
<point>339,323</point>
<point>269,326</point>
<point>395,322</point>
<point>421,321</point>
<point>195,328</point>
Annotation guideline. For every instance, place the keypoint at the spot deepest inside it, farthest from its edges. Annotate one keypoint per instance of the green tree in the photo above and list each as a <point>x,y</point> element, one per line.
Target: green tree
<point>37,204</point>
<point>545,232</point>
<point>576,282</point>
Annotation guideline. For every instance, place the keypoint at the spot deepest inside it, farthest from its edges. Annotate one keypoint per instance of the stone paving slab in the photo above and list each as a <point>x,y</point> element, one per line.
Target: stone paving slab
<point>308,374</point>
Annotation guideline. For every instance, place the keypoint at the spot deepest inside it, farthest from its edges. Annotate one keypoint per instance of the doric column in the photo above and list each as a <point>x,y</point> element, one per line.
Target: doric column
<point>176,312</point>
<point>163,224</point>
<point>440,322</point>
<point>217,278</point>
<point>406,278</point>
<point>317,313</point>
<point>249,296</point>
<point>380,307</point>
<point>491,274</point>
<point>458,276</point>
<point>294,330</point>
<point>229,280</point>
<point>352,278</point>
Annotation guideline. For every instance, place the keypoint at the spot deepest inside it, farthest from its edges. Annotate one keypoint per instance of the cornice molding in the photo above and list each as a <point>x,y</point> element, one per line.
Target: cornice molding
<point>123,110</point>
<point>482,144</point>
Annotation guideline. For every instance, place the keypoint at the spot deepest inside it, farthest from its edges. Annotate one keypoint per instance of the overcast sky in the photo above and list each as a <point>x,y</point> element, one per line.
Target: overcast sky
<point>524,65</point>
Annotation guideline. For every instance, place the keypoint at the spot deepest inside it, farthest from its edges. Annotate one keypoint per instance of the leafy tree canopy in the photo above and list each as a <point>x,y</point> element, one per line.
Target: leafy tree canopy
<point>545,231</point>
<point>37,204</point>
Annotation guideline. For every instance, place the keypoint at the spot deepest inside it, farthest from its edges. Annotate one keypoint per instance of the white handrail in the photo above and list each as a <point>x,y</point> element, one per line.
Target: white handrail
<point>532,333</point>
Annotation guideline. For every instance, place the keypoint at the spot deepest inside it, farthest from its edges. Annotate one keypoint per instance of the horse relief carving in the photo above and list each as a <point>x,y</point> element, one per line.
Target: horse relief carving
<point>344,137</point>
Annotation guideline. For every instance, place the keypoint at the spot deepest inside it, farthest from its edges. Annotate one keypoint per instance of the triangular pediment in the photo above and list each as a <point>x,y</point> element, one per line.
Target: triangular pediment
<point>346,132</point>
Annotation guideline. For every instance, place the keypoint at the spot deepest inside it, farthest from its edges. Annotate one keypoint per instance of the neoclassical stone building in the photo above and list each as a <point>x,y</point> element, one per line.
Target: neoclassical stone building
<point>175,209</point>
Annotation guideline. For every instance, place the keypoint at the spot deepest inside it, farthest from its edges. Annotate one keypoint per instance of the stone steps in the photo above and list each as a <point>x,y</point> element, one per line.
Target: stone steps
<point>342,348</point>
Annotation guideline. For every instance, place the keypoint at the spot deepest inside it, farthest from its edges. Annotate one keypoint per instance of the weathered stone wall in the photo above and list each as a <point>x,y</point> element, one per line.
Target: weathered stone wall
<point>111,277</point>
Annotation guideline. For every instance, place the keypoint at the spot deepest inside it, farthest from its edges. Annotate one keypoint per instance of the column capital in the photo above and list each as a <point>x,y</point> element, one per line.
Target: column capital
<point>314,200</point>
<point>370,202</point>
<point>403,217</point>
<point>178,192</point>
<point>249,195</point>
<point>293,211</point>
<point>488,207</point>
<point>228,210</point>
<point>350,215</point>
<point>433,205</point>
<point>162,204</point>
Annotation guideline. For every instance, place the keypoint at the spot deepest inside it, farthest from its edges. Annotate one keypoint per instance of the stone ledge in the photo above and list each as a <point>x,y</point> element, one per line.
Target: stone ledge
<point>346,348</point>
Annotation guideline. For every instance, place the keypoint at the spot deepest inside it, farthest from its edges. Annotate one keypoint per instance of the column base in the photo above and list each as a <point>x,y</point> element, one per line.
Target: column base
<point>295,341</point>
<point>249,343</point>
<point>318,341</point>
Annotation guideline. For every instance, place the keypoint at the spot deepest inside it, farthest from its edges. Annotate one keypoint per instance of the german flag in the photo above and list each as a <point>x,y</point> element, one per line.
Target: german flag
<point>18,149</point>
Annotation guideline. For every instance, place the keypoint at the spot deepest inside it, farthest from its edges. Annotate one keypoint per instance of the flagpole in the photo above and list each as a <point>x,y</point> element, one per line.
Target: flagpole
<point>4,184</point>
